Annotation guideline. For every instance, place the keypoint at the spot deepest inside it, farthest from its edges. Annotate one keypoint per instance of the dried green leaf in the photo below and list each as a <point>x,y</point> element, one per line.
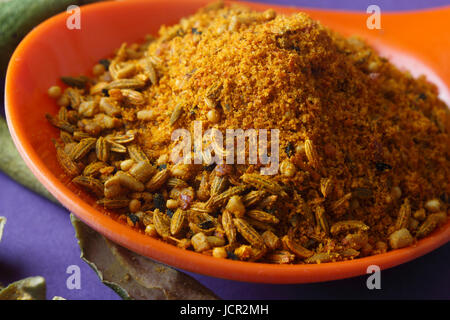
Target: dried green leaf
<point>13,165</point>
<point>2,225</point>
<point>362,193</point>
<point>32,288</point>
<point>132,276</point>
<point>77,82</point>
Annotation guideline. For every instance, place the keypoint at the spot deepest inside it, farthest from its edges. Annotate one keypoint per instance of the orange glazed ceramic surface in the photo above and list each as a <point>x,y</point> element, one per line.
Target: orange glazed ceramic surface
<point>414,40</point>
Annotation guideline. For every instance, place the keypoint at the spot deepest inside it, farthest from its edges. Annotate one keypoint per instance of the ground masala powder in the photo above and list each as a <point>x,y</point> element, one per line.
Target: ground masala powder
<point>364,147</point>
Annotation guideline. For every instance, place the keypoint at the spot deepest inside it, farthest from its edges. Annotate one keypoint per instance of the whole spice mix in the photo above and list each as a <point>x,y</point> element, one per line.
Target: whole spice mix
<point>364,147</point>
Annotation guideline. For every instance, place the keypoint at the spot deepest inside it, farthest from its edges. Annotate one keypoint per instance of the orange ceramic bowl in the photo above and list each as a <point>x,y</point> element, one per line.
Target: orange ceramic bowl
<point>416,40</point>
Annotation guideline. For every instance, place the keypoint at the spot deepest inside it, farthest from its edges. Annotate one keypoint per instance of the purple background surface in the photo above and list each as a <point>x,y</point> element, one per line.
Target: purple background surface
<point>39,238</point>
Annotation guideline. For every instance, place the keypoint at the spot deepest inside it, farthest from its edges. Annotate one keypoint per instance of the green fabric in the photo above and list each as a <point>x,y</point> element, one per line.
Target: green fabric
<point>13,165</point>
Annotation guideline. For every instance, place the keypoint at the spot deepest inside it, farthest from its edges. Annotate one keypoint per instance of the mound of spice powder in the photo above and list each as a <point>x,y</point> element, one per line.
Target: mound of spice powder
<point>364,147</point>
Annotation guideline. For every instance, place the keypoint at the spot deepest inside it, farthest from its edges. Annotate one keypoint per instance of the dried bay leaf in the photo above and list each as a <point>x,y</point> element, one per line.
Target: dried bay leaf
<point>97,255</point>
<point>174,284</point>
<point>77,82</point>
<point>133,276</point>
<point>32,288</point>
<point>2,225</point>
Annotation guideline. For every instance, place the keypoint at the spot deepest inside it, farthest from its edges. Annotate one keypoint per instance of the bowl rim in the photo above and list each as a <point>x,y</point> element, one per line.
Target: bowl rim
<point>164,252</point>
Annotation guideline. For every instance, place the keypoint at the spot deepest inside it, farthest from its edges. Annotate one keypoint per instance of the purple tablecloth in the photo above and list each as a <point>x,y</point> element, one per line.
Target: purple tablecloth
<point>39,238</point>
